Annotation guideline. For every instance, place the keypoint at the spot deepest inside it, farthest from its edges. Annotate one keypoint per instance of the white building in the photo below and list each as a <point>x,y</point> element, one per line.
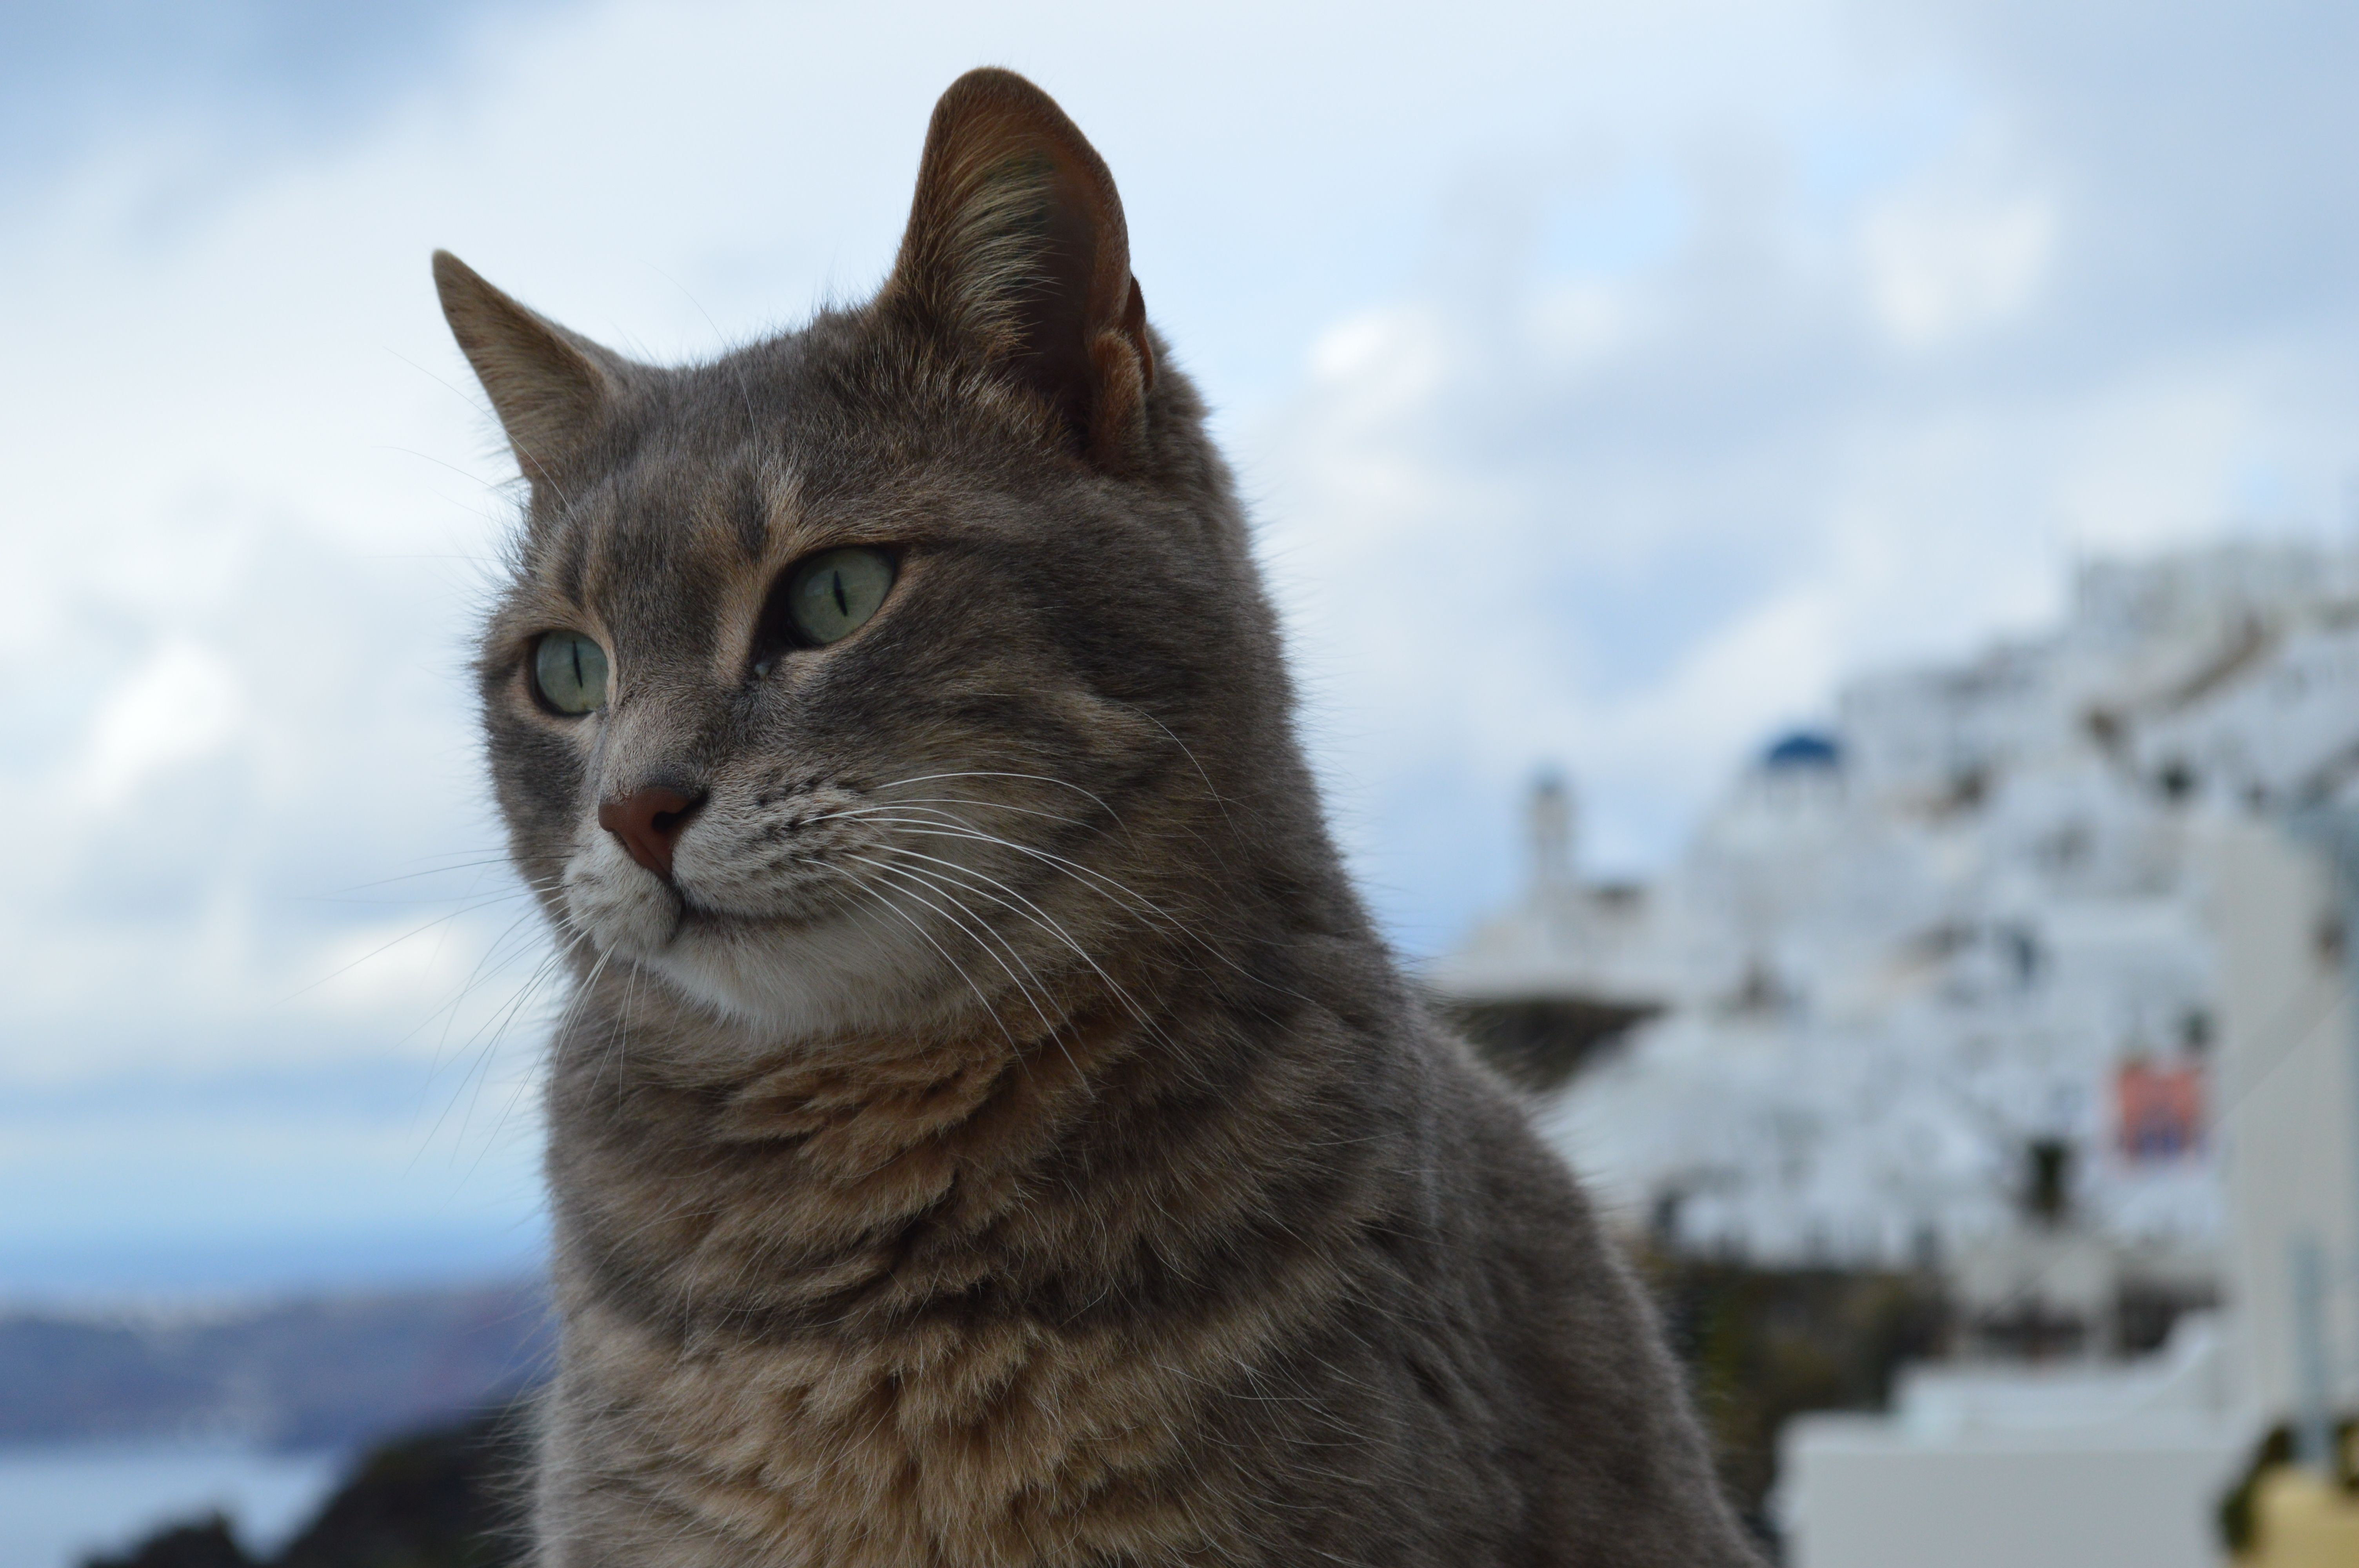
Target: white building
<point>2080,1465</point>
<point>1965,921</point>
<point>2099,1465</point>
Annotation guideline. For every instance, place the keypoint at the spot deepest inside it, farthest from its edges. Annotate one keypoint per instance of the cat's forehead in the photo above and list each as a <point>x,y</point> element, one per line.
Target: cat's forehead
<point>698,487</point>
<point>666,520</point>
<point>725,474</point>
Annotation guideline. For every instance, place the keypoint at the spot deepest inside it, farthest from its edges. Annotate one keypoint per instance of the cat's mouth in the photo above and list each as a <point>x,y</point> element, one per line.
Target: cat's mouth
<point>807,959</point>
<point>787,921</point>
<point>693,918</point>
<point>627,907</point>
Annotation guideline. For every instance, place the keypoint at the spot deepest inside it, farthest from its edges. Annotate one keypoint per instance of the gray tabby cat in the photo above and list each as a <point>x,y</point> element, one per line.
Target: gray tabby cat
<point>986,1130</point>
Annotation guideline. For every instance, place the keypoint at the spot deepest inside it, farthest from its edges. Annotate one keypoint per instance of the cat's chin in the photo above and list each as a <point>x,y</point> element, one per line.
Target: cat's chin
<point>833,975</point>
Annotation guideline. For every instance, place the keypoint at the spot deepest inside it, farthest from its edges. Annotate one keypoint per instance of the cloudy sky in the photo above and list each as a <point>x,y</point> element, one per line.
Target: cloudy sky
<point>1610,379</point>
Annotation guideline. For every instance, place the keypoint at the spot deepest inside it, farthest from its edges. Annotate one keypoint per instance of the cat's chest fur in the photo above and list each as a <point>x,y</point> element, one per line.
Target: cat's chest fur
<point>815,1344</point>
<point>1009,1441</point>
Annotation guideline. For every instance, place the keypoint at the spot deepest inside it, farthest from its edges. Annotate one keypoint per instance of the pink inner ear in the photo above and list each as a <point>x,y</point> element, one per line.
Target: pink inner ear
<point>1133,328</point>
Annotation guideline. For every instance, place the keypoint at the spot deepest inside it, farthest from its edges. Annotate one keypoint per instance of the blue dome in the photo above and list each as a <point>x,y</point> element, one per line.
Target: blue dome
<point>1803,749</point>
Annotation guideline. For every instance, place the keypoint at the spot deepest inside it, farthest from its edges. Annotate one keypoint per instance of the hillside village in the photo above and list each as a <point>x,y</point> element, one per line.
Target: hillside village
<point>1960,924</point>
<point>2030,975</point>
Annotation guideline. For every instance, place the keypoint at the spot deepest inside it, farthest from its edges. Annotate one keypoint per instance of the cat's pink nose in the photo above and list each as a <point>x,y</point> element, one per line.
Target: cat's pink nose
<point>648,821</point>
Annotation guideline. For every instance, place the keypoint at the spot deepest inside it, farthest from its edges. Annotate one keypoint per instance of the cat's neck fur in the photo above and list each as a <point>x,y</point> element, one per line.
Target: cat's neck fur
<point>929,1129</point>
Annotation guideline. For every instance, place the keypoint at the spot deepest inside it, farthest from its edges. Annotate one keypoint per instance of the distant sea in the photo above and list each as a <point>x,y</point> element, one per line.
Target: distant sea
<point>60,1502</point>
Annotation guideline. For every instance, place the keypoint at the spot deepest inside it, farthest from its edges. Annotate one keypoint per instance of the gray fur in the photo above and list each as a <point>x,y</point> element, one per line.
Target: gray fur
<point>1008,1143</point>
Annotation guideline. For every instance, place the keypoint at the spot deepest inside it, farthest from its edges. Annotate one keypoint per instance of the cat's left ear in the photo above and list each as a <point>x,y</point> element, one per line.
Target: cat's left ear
<point>554,391</point>
<point>1017,250</point>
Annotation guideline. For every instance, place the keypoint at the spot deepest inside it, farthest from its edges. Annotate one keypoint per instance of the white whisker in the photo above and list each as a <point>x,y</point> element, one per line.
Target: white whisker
<point>972,924</point>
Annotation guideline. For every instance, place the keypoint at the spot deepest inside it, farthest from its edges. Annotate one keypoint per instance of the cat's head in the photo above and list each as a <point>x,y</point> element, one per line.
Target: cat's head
<point>908,663</point>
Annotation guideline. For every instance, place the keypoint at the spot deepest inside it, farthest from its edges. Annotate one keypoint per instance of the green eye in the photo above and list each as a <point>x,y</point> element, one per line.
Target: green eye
<point>829,595</point>
<point>568,672</point>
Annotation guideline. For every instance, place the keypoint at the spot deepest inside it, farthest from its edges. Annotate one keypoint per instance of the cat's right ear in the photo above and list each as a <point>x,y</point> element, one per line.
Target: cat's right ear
<point>1016,252</point>
<point>553,390</point>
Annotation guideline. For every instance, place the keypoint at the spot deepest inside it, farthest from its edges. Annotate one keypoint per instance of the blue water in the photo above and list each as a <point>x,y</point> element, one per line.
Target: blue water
<point>61,1503</point>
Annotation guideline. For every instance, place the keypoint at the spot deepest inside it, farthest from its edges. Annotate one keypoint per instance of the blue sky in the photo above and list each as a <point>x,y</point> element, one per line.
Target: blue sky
<point>1610,379</point>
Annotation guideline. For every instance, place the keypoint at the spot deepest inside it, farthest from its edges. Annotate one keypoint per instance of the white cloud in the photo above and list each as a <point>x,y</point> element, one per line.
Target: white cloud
<point>1685,500</point>
<point>1940,266</point>
<point>182,705</point>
